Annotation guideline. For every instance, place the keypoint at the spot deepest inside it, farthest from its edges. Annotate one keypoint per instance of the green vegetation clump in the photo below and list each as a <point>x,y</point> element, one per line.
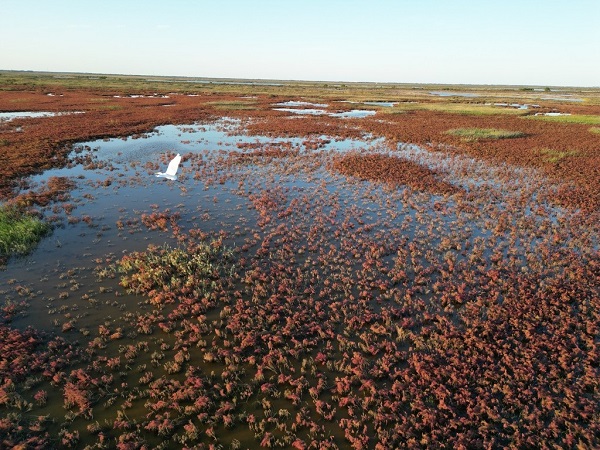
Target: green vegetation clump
<point>474,134</point>
<point>595,130</point>
<point>19,232</point>
<point>111,107</point>
<point>233,105</point>
<point>555,156</point>
<point>172,269</point>
<point>585,119</point>
<point>468,109</point>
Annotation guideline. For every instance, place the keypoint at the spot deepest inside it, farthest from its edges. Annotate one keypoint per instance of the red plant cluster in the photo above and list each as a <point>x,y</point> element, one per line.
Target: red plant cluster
<point>25,354</point>
<point>392,171</point>
<point>264,152</point>
<point>55,189</point>
<point>18,354</point>
<point>160,220</point>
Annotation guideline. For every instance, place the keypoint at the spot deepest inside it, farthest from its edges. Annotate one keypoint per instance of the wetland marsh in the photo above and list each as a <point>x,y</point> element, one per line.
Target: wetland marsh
<point>422,275</point>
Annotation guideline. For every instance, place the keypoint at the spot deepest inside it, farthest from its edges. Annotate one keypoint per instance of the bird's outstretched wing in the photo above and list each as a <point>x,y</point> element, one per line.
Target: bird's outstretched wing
<point>173,165</point>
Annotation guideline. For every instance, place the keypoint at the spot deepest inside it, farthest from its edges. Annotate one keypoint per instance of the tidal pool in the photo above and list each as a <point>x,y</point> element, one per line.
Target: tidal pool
<point>553,114</point>
<point>303,111</point>
<point>8,116</point>
<point>296,104</point>
<point>355,113</point>
<point>514,105</point>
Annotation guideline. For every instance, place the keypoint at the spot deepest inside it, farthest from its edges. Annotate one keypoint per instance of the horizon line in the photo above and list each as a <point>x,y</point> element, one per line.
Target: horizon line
<point>209,78</point>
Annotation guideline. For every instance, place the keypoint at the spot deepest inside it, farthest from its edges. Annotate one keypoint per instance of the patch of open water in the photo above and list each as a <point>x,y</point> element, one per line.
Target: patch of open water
<point>8,116</point>
<point>553,114</point>
<point>296,104</point>
<point>353,114</point>
<point>303,111</point>
<point>514,105</point>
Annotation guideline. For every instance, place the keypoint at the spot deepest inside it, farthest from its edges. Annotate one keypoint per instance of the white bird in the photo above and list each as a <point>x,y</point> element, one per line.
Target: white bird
<point>171,172</point>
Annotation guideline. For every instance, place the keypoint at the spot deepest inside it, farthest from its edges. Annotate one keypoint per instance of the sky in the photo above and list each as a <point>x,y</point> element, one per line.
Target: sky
<point>516,42</point>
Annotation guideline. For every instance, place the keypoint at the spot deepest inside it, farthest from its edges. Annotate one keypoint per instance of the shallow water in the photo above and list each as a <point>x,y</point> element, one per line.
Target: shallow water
<point>355,113</point>
<point>515,105</point>
<point>8,116</point>
<point>303,111</point>
<point>553,114</point>
<point>295,104</point>
<point>119,188</point>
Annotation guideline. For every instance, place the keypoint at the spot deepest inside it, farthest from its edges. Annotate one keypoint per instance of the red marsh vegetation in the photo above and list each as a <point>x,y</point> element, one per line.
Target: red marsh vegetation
<point>287,293</point>
<point>393,171</point>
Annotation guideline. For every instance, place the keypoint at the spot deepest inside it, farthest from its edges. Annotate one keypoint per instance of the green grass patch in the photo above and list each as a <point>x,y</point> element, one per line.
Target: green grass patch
<point>555,156</point>
<point>471,109</point>
<point>574,118</point>
<point>595,130</point>
<point>111,107</point>
<point>233,105</point>
<point>19,232</point>
<point>474,134</point>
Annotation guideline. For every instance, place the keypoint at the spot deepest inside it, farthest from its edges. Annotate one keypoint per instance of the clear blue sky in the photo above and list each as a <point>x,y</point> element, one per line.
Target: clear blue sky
<point>533,42</point>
